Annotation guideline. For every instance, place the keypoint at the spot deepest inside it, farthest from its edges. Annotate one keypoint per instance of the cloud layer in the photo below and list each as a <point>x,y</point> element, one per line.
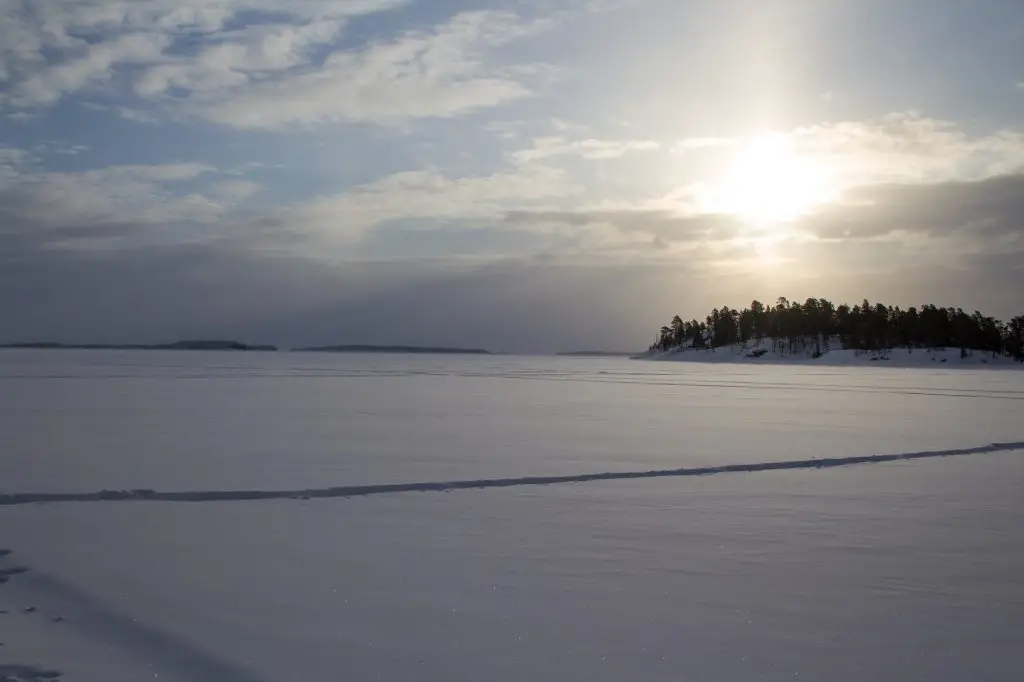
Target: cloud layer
<point>258,63</point>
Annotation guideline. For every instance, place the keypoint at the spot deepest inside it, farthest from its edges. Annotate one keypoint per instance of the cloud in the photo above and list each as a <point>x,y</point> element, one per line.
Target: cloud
<point>430,195</point>
<point>660,225</point>
<point>163,205</point>
<point>900,147</point>
<point>235,191</point>
<point>590,148</point>
<point>45,52</point>
<point>239,56</point>
<point>940,222</point>
<point>438,73</point>
<point>909,147</point>
<point>142,204</point>
<point>73,150</point>
<point>263,63</point>
<point>126,113</point>
<point>11,161</point>
<point>691,143</point>
<point>95,64</point>
<point>985,211</point>
<point>181,203</point>
<point>637,234</point>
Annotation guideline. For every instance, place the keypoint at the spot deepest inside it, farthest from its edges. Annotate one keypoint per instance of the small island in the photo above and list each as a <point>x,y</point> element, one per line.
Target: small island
<point>200,344</point>
<point>823,332</point>
<point>366,348</point>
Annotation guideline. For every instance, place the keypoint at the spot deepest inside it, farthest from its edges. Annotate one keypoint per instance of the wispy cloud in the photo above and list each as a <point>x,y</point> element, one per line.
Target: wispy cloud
<point>261,63</point>
<point>896,147</point>
<point>92,64</point>
<point>430,195</point>
<point>176,43</point>
<point>422,74</point>
<point>691,143</point>
<point>590,148</point>
<point>908,146</point>
<point>130,195</point>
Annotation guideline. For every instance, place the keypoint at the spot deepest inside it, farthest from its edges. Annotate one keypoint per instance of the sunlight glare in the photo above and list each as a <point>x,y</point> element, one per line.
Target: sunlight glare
<point>770,183</point>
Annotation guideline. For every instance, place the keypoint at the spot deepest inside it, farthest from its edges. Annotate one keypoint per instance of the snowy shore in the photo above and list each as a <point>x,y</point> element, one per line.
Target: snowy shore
<point>767,352</point>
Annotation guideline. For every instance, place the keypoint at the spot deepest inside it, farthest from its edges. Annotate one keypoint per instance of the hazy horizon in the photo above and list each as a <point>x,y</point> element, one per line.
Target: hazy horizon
<point>355,338</point>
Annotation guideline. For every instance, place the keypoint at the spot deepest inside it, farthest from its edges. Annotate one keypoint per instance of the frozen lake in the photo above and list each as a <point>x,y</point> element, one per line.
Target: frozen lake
<point>905,570</point>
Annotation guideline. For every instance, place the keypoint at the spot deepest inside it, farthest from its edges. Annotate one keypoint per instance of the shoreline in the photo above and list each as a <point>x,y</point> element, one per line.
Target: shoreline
<point>900,358</point>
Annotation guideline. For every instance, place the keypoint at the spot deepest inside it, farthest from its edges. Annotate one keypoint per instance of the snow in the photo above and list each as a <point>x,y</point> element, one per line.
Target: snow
<point>899,559</point>
<point>150,495</point>
<point>767,351</point>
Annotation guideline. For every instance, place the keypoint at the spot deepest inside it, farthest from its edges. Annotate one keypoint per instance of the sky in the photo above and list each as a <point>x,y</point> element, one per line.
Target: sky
<point>527,176</point>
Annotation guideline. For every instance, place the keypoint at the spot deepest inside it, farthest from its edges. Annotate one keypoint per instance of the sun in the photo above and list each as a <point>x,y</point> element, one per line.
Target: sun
<point>770,183</point>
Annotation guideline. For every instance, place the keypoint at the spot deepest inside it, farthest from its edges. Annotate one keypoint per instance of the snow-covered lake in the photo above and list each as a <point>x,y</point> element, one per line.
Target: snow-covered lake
<point>909,570</point>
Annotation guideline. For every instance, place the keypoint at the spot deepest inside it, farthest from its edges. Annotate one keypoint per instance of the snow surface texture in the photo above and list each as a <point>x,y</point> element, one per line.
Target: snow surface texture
<point>867,531</point>
<point>768,352</point>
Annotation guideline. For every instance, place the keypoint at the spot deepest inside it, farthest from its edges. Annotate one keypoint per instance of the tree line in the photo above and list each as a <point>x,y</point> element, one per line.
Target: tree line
<point>816,322</point>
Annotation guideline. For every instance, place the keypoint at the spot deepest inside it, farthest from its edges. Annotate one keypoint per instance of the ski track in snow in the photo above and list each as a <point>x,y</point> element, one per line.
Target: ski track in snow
<point>27,673</point>
<point>146,495</point>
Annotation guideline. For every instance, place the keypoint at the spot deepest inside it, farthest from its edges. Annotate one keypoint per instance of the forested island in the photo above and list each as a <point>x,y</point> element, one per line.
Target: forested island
<point>818,326</point>
<point>201,344</point>
<point>364,348</point>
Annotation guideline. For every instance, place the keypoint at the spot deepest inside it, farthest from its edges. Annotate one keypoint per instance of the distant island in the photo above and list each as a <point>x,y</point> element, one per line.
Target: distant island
<point>595,354</point>
<point>819,329</point>
<point>216,344</point>
<point>364,348</point>
<point>201,344</point>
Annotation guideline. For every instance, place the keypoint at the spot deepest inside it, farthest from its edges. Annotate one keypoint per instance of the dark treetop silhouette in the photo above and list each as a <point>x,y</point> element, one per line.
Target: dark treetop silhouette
<point>817,322</point>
